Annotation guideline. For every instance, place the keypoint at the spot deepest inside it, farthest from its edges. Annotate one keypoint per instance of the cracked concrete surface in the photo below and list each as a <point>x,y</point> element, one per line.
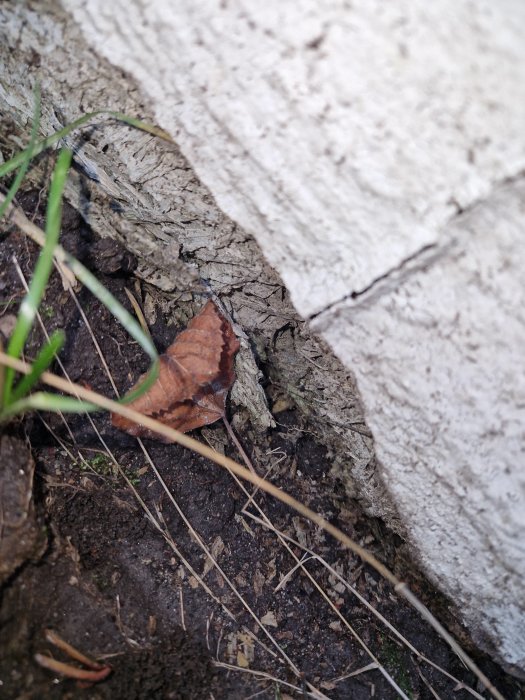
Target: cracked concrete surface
<point>390,279</point>
<point>346,140</point>
<point>438,358</point>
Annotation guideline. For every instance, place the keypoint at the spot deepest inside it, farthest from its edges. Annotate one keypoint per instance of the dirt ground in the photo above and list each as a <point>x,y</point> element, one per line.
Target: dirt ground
<point>79,554</point>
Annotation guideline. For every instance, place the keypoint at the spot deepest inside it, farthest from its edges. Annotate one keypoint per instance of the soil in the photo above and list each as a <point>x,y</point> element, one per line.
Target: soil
<point>81,556</point>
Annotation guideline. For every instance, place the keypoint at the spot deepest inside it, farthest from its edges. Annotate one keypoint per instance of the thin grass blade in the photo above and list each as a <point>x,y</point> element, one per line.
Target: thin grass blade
<point>41,363</point>
<point>31,302</point>
<point>143,126</point>
<point>44,401</point>
<point>28,155</point>
<point>129,323</point>
<point>124,317</point>
<point>18,160</point>
<point>51,140</point>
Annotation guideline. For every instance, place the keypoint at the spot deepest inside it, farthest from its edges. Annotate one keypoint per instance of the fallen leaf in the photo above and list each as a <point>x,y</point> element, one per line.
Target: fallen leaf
<point>216,550</point>
<point>269,619</point>
<point>247,648</point>
<point>328,685</point>
<point>195,375</point>
<point>240,649</point>
<point>258,582</point>
<point>242,661</point>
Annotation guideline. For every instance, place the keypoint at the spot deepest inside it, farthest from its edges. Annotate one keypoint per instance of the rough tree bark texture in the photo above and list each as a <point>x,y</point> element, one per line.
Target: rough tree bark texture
<point>348,141</point>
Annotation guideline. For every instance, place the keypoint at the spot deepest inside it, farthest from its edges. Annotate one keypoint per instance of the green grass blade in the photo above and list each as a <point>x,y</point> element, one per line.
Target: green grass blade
<point>42,361</point>
<point>54,202</point>
<point>31,302</point>
<point>121,314</point>
<point>148,382</point>
<point>18,160</point>
<point>44,401</point>
<point>28,154</point>
<point>124,317</point>
<point>143,126</point>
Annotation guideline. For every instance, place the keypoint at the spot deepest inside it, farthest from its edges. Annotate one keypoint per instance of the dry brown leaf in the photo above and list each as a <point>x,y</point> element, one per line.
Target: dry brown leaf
<point>269,619</point>
<point>195,375</point>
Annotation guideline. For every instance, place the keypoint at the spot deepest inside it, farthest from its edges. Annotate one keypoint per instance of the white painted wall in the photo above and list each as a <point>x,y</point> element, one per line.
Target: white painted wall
<point>438,356</point>
<point>347,138</point>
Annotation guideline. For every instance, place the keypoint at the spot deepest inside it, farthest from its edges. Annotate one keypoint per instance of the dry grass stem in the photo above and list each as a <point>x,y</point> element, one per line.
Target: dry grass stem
<point>17,217</point>
<point>192,444</point>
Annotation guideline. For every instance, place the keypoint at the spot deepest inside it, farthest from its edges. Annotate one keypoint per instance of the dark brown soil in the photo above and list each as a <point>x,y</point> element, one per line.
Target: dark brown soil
<point>97,571</point>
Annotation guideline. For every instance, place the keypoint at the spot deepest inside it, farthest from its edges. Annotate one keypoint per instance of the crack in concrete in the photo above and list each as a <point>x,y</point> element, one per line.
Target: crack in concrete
<point>426,255</point>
